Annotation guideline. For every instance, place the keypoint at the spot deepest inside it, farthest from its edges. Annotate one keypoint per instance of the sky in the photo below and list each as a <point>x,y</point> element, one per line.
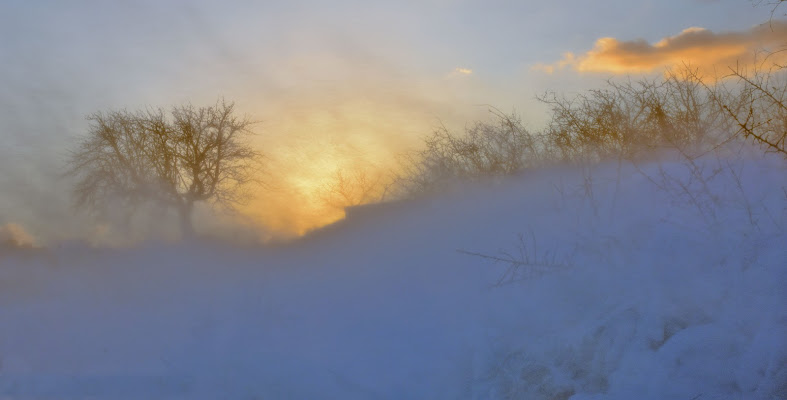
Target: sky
<point>334,86</point>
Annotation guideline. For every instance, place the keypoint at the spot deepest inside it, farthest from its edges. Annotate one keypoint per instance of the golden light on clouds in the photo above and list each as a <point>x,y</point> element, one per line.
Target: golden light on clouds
<point>708,51</point>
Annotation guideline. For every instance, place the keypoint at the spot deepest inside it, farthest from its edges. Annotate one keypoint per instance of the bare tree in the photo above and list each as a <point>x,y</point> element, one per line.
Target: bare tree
<point>774,4</point>
<point>352,188</point>
<point>500,147</point>
<point>176,159</point>
<point>758,107</point>
<point>629,119</point>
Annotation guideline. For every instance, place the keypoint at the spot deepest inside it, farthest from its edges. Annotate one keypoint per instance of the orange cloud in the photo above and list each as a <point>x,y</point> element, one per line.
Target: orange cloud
<point>698,47</point>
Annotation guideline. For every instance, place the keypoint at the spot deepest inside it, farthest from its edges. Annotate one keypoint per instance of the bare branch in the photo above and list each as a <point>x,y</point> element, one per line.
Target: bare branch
<point>195,154</point>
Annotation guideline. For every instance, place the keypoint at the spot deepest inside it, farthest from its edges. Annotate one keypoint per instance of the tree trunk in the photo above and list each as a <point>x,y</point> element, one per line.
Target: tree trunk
<point>186,226</point>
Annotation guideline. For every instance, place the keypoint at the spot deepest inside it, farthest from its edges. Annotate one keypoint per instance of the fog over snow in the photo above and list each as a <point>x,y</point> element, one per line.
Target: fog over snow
<point>632,289</point>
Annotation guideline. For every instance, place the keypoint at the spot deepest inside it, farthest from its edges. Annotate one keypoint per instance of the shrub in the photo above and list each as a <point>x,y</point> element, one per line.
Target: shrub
<point>486,149</point>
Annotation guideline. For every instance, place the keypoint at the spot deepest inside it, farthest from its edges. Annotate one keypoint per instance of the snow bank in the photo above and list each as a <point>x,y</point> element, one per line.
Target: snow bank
<point>642,290</point>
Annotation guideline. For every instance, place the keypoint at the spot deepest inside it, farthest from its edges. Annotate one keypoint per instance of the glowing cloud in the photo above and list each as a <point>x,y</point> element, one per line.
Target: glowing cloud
<point>695,46</point>
<point>460,71</point>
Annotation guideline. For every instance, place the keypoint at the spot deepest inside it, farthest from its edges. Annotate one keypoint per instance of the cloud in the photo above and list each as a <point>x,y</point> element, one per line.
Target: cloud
<point>460,71</point>
<point>694,46</point>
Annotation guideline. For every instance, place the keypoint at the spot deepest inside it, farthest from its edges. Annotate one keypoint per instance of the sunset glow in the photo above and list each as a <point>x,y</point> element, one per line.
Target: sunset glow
<point>410,199</point>
<point>700,48</point>
<point>344,87</point>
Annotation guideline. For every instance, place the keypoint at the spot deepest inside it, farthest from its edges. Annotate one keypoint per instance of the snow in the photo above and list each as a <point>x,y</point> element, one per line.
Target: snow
<point>653,294</point>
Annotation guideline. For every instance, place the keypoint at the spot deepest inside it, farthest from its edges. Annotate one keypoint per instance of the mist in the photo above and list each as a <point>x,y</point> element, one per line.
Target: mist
<point>441,210</point>
<point>451,295</point>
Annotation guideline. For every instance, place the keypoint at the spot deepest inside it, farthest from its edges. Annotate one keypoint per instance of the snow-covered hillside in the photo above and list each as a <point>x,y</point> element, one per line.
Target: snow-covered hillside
<point>670,284</point>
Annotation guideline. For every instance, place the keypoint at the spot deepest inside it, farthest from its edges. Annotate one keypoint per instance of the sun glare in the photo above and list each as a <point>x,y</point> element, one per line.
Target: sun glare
<point>351,137</point>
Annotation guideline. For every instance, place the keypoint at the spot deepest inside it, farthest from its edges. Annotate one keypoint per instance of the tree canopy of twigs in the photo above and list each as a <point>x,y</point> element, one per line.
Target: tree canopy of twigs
<point>352,188</point>
<point>500,147</point>
<point>630,119</point>
<point>758,108</point>
<point>174,159</point>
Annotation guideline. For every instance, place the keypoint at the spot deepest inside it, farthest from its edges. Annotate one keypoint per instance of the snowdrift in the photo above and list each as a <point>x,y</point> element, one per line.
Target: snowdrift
<point>664,281</point>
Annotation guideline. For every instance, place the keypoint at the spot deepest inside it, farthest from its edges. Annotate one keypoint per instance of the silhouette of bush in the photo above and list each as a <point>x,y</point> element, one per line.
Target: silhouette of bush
<point>632,119</point>
<point>757,104</point>
<point>485,149</point>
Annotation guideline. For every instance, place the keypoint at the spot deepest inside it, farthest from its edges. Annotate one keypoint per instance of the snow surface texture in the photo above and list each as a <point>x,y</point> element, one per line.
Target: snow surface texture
<point>664,283</point>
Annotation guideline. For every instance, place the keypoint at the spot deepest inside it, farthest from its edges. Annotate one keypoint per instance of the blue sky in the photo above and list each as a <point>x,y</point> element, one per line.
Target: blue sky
<point>334,84</point>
